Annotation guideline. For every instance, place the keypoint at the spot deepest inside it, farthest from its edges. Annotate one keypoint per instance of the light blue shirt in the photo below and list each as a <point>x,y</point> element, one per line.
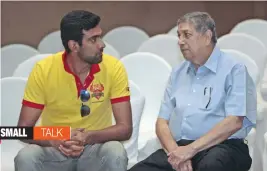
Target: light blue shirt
<point>195,101</point>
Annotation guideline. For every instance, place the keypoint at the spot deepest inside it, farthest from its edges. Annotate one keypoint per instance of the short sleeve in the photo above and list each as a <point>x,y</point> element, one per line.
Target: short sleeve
<point>120,84</point>
<point>241,98</point>
<point>168,103</point>
<point>34,90</point>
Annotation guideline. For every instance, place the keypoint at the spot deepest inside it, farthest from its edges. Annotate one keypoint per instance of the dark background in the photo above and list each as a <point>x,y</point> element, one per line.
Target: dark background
<point>28,22</point>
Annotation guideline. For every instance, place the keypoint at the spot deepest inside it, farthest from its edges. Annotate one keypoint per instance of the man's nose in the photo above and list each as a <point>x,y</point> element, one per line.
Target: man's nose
<point>102,44</point>
<point>180,42</point>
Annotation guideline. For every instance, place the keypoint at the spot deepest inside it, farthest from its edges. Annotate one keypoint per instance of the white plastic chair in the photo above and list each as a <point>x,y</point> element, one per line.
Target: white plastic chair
<point>254,27</point>
<point>165,46</point>
<point>247,44</point>
<point>245,59</point>
<point>12,89</point>
<point>25,68</point>
<point>12,55</point>
<point>51,43</point>
<point>137,104</point>
<point>173,31</point>
<point>150,72</point>
<point>110,50</point>
<point>126,39</point>
<point>255,147</point>
<point>264,156</point>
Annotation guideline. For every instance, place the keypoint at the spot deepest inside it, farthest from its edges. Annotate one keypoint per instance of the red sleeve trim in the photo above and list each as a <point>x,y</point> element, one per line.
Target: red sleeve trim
<point>33,105</point>
<point>120,99</point>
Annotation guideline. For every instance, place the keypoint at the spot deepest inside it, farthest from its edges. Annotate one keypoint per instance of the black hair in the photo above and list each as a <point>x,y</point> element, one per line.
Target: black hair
<point>73,24</point>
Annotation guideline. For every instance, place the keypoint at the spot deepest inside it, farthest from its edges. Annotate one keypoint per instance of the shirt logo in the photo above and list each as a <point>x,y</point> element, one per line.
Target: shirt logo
<point>97,90</point>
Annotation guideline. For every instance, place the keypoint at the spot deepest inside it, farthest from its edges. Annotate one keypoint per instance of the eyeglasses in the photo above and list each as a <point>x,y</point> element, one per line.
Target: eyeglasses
<point>84,96</point>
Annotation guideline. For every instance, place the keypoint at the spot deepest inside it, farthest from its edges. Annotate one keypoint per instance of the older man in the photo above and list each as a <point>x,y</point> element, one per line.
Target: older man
<point>208,109</point>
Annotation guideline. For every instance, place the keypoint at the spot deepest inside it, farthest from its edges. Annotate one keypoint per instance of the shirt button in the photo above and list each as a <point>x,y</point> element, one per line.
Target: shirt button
<point>198,78</point>
<point>194,90</point>
<point>185,119</point>
<point>188,104</point>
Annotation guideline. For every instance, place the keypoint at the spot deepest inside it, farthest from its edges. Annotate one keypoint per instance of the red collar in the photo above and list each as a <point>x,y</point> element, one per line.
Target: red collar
<point>94,68</point>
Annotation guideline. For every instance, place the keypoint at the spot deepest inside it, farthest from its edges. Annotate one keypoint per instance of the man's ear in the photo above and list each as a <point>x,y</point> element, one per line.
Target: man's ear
<point>74,46</point>
<point>208,36</point>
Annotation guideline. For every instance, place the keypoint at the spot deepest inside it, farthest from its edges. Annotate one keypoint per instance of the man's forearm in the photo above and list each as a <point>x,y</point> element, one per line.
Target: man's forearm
<point>164,135</point>
<point>219,133</point>
<point>43,143</point>
<point>118,132</point>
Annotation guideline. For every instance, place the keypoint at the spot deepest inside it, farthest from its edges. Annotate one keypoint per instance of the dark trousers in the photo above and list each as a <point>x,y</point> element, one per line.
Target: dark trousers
<point>230,155</point>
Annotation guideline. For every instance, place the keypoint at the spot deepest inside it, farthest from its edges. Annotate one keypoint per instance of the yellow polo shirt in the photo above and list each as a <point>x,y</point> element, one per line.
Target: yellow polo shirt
<point>53,87</point>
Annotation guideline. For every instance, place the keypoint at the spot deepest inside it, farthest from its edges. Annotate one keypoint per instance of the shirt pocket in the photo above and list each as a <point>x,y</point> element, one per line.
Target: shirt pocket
<point>212,101</point>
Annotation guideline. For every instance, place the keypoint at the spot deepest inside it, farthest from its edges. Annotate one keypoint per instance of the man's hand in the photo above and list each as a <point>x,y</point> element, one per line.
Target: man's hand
<point>70,147</point>
<point>185,166</point>
<point>55,143</point>
<point>181,155</point>
<point>79,135</point>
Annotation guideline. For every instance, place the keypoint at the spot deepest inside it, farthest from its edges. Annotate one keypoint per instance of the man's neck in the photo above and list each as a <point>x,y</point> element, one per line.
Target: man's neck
<point>204,56</point>
<point>77,65</point>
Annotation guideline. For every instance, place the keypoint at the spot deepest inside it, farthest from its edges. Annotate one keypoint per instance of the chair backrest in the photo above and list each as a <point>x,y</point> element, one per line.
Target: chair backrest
<point>173,31</point>
<point>150,72</point>
<point>12,55</point>
<point>165,46</point>
<point>247,44</point>
<point>12,91</point>
<point>264,156</point>
<point>254,27</point>
<point>252,67</point>
<point>137,104</point>
<point>110,50</point>
<point>51,43</point>
<point>24,69</point>
<point>126,39</point>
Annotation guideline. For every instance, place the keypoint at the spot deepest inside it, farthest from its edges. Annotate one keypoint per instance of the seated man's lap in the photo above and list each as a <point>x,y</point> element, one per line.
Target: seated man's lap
<point>231,155</point>
<point>110,153</point>
<point>36,157</point>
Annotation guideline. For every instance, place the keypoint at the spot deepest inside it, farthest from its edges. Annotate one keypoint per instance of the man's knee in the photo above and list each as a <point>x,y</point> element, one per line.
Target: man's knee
<point>28,155</point>
<point>211,166</point>
<point>114,154</point>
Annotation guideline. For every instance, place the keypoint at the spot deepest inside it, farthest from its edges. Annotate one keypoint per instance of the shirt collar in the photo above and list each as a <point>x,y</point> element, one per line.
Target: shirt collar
<point>211,63</point>
<point>95,68</point>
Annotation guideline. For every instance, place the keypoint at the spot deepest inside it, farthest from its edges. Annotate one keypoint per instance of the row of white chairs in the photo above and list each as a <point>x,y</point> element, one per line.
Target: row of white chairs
<point>162,45</point>
<point>128,39</point>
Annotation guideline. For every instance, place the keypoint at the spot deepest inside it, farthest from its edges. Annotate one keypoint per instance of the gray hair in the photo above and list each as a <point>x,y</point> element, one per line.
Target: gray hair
<point>202,22</point>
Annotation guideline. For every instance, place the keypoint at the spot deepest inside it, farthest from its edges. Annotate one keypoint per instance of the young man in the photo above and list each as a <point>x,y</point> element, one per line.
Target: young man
<point>209,106</point>
<point>79,88</point>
